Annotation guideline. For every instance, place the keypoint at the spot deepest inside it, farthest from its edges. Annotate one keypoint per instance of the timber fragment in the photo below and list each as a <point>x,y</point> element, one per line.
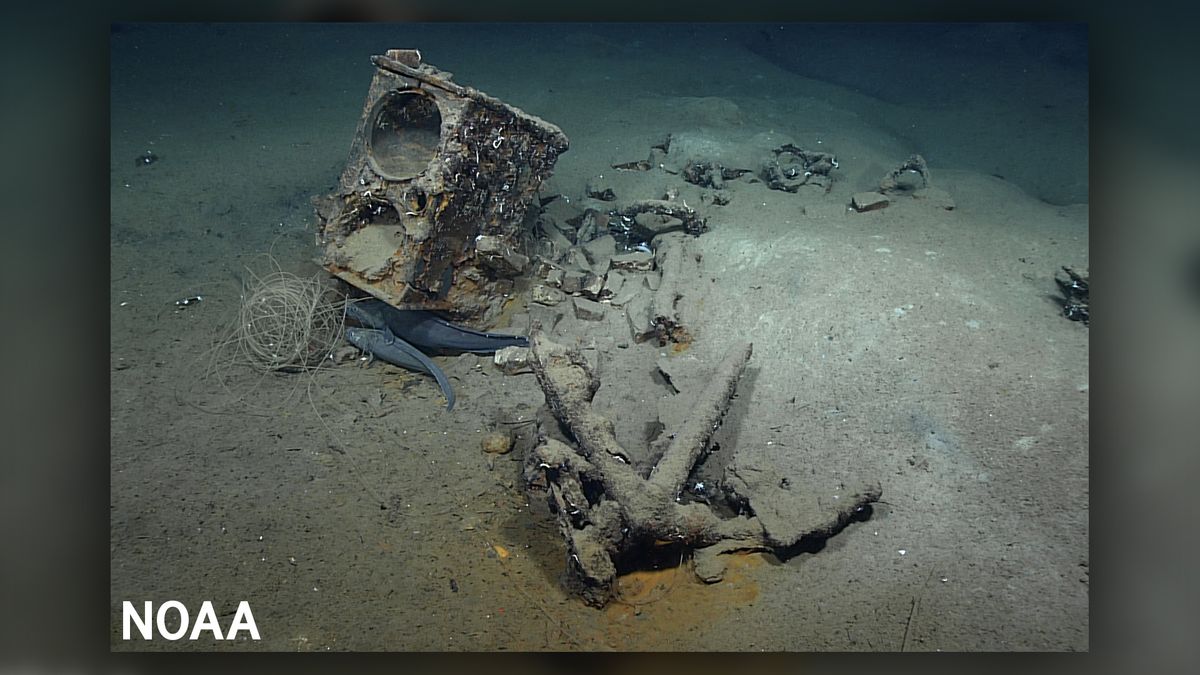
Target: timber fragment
<point>606,510</point>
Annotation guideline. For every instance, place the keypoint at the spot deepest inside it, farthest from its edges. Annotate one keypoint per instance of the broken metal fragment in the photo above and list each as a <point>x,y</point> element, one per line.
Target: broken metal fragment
<point>910,176</point>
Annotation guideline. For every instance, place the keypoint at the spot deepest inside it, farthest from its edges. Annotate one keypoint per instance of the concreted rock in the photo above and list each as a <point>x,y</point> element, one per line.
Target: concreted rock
<point>639,313</point>
<point>628,290</point>
<point>513,360</point>
<point>869,201</point>
<point>652,281</point>
<point>592,286</point>
<point>612,284</point>
<point>545,295</point>
<point>593,223</point>
<point>637,261</point>
<point>587,310</point>
<point>498,256</point>
<point>910,176</point>
<point>649,225</point>
<point>600,251</point>
<point>553,239</point>
<point>598,189</point>
<point>542,268</point>
<point>573,281</point>
<point>577,259</point>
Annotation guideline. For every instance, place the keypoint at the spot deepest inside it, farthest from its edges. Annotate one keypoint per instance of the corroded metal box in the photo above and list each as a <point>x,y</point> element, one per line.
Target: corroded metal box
<point>429,210</point>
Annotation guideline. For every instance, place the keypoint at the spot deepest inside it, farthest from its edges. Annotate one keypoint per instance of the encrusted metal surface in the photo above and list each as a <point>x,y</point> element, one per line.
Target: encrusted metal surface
<point>435,168</point>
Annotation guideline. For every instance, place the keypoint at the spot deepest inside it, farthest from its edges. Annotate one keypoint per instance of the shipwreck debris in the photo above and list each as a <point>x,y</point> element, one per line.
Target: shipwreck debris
<point>909,179</point>
<point>429,208</point>
<point>1074,287</point>
<point>677,261</point>
<point>608,512</point>
<point>710,174</point>
<point>792,168</point>
<point>910,176</point>
<point>693,224</point>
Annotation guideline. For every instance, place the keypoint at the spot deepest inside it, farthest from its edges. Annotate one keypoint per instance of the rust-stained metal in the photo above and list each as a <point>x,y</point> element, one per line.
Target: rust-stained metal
<point>429,210</point>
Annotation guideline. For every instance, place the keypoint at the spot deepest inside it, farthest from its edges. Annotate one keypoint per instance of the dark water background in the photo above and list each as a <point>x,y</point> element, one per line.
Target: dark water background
<point>1003,99</point>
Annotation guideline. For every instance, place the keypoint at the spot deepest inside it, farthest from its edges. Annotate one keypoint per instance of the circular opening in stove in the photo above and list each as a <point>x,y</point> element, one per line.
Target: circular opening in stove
<point>405,131</point>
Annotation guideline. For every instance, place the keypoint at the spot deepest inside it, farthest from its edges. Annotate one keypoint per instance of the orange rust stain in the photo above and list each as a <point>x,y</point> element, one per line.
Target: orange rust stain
<point>653,606</point>
<point>443,202</point>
